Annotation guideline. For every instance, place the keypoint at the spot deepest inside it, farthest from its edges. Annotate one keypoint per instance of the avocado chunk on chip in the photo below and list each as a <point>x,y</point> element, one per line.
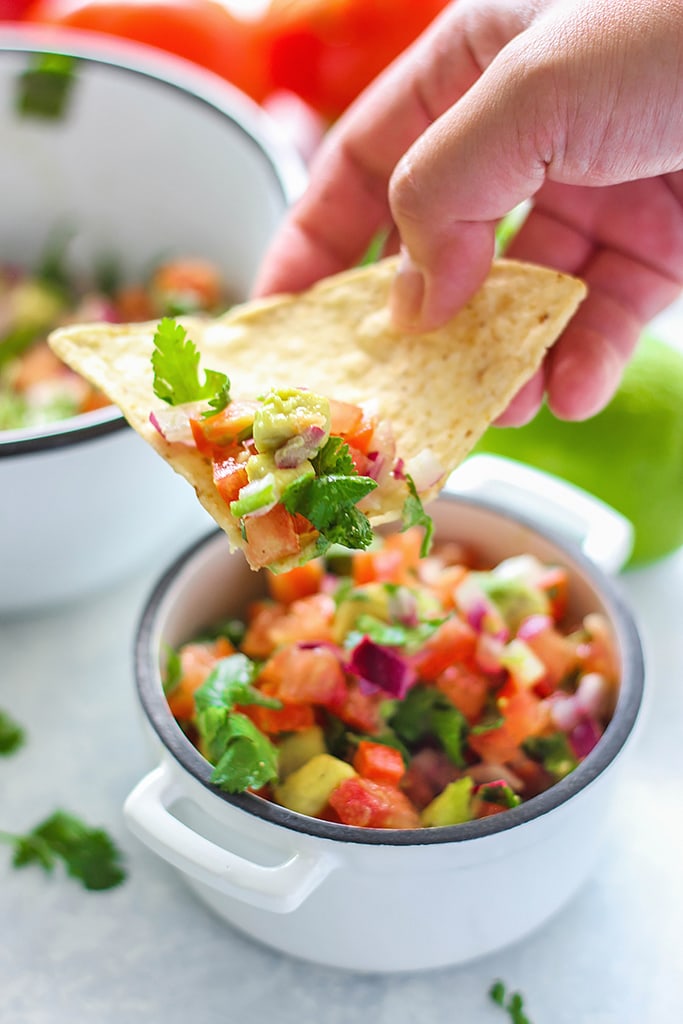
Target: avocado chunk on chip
<point>428,397</point>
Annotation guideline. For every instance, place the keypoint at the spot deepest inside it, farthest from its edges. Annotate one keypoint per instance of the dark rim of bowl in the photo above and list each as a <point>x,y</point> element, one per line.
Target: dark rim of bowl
<point>611,743</point>
<point>287,174</point>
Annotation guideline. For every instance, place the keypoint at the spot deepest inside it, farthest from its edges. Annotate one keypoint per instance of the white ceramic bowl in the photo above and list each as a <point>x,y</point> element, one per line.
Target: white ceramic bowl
<point>388,900</point>
<point>153,158</point>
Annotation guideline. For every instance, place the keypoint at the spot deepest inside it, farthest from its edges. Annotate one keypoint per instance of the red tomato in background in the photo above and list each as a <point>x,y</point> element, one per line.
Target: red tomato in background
<point>13,9</point>
<point>325,51</point>
<point>202,31</point>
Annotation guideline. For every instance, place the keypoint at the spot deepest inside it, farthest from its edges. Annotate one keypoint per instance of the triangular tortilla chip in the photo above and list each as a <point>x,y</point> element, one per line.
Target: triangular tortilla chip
<point>438,390</point>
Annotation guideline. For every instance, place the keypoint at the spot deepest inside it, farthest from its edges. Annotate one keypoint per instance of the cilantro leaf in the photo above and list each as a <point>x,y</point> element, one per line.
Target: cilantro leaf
<point>392,634</point>
<point>248,759</point>
<point>243,757</point>
<point>514,1005</point>
<point>413,514</point>
<point>334,457</point>
<point>89,854</point>
<point>11,734</point>
<point>175,362</point>
<point>230,682</point>
<point>553,752</point>
<point>174,670</point>
<point>329,503</point>
<point>425,711</point>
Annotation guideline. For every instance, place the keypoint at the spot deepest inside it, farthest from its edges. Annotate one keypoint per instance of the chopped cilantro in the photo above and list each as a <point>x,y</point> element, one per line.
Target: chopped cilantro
<point>175,361</point>
<point>499,793</point>
<point>425,711</point>
<point>413,514</point>
<point>392,634</point>
<point>514,1005</point>
<point>329,499</point>
<point>553,752</point>
<point>230,682</point>
<point>488,726</point>
<point>11,734</point>
<point>242,755</point>
<point>45,88</point>
<point>88,854</point>
<point>174,670</point>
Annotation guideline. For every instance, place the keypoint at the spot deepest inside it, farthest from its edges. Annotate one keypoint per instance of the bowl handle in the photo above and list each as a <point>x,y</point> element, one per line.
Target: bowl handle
<point>602,533</point>
<point>281,888</point>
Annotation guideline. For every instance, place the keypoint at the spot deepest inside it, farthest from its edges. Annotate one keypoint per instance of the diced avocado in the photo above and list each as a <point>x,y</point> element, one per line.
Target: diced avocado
<point>308,789</point>
<point>451,806</point>
<point>286,412</point>
<point>298,748</point>
<point>367,599</point>
<point>263,465</point>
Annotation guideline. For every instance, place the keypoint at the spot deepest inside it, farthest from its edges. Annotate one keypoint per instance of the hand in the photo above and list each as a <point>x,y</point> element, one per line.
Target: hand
<point>575,105</point>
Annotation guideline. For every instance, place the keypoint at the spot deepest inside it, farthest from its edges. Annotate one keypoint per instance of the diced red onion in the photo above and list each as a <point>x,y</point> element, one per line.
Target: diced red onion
<point>425,470</point>
<point>299,448</point>
<point>399,470</point>
<point>377,463</point>
<point>533,625</point>
<point>382,667</point>
<point>594,694</point>
<point>565,711</point>
<point>584,737</point>
<point>173,422</point>
<point>403,607</point>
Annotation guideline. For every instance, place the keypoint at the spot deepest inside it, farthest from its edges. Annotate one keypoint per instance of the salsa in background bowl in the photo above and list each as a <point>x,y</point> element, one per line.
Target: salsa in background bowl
<point>406,897</point>
<point>141,158</point>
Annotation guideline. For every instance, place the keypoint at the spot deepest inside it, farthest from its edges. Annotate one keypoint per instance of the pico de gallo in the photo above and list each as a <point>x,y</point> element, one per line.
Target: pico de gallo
<point>36,387</point>
<point>294,471</point>
<point>384,689</point>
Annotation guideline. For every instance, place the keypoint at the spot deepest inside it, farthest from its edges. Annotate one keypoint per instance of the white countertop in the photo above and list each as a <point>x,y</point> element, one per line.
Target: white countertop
<point>149,952</point>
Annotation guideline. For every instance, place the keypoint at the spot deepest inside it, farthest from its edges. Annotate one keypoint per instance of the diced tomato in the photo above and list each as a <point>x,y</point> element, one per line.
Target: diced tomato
<point>370,804</point>
<point>308,619</point>
<point>361,710</point>
<point>270,537</point>
<point>289,718</point>
<point>378,762</point>
<point>306,675</point>
<point>556,651</point>
<point>188,284</point>
<point>453,642</point>
<point>229,477</point>
<point>344,417</point>
<point>395,561</point>
<point>362,436</point>
<point>362,464</point>
<point>466,689</point>
<point>196,661</point>
<point>229,425</point>
<point>523,716</point>
<point>445,583</point>
<point>485,808</point>
<point>554,582</point>
<point>299,582</point>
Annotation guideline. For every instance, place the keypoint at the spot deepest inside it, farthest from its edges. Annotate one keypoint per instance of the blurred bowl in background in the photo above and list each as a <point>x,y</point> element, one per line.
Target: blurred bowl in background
<point>150,158</point>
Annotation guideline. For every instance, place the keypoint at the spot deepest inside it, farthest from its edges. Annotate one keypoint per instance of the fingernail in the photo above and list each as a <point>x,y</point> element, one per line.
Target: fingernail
<point>407,292</point>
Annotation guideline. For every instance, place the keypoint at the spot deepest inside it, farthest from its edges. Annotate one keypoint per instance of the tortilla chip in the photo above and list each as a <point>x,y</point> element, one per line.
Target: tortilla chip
<point>438,390</point>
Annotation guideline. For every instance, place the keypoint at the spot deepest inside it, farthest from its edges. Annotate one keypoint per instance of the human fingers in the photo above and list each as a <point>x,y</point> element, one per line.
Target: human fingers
<point>346,202</point>
<point>562,102</point>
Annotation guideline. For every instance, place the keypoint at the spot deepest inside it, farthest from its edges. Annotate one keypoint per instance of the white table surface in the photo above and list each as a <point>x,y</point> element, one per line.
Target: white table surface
<point>149,952</point>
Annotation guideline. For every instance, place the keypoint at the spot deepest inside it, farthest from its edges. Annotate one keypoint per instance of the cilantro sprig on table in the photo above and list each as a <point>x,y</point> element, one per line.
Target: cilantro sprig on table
<point>88,854</point>
<point>514,1004</point>
<point>175,362</point>
<point>12,735</point>
<point>243,757</point>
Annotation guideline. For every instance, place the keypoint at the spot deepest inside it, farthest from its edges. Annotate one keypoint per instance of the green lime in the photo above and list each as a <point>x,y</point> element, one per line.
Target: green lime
<point>630,454</point>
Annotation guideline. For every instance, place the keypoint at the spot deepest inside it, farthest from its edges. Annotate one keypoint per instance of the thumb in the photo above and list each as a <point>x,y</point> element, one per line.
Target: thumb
<point>473,165</point>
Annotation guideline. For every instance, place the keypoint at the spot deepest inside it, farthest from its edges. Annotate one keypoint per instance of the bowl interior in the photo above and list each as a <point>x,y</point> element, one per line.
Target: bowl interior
<point>147,161</point>
<point>210,583</point>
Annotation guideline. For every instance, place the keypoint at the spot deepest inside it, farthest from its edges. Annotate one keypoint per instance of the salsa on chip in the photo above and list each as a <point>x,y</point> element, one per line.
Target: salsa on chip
<point>304,420</point>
